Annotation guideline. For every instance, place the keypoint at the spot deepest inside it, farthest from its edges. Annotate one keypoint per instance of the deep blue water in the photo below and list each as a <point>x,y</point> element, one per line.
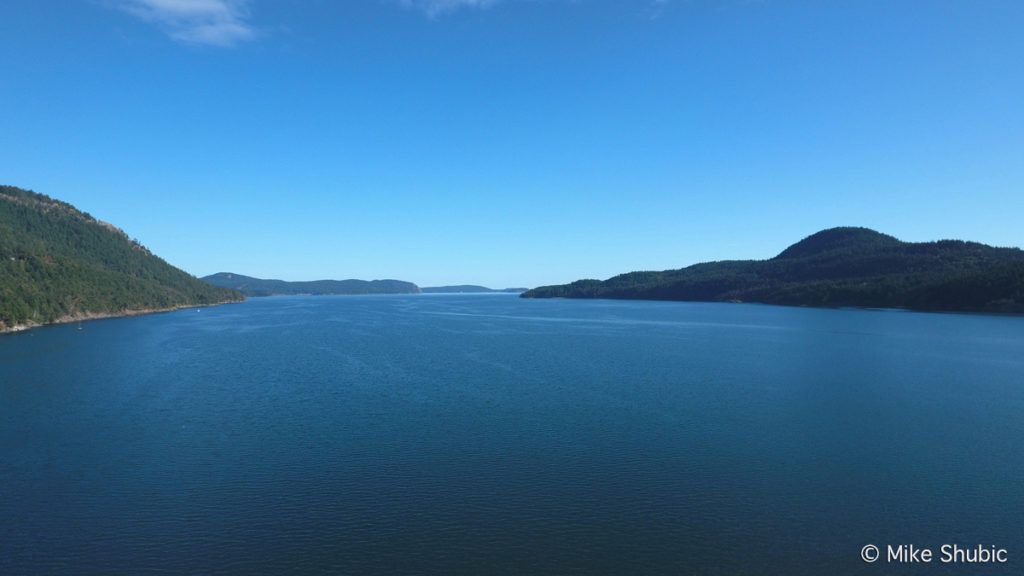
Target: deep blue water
<point>493,435</point>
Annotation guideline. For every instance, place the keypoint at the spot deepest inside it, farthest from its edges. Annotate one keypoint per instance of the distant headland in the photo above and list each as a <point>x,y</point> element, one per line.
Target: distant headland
<point>470,289</point>
<point>260,287</point>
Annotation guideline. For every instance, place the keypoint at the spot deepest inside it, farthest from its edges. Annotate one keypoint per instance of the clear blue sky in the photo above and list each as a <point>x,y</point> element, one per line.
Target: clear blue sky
<point>514,142</point>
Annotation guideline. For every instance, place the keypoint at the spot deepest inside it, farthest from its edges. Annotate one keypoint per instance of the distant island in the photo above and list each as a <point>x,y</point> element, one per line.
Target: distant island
<point>58,264</point>
<point>469,289</point>
<point>259,287</point>
<point>838,267</point>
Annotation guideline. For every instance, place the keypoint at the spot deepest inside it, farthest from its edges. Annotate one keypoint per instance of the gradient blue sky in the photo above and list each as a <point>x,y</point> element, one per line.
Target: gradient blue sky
<point>514,142</point>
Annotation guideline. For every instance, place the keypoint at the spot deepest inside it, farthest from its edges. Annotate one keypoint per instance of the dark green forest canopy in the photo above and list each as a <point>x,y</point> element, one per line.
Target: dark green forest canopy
<point>58,263</point>
<point>836,267</point>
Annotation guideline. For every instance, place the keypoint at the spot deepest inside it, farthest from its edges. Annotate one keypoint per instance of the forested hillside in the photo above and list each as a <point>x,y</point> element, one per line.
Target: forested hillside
<point>836,267</point>
<point>57,263</point>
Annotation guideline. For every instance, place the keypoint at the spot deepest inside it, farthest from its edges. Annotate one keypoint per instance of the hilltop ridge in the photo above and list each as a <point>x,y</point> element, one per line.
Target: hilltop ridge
<point>846,266</point>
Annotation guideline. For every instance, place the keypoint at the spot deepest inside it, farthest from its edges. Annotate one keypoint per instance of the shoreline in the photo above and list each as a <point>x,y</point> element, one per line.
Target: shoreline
<point>108,315</point>
<point>804,306</point>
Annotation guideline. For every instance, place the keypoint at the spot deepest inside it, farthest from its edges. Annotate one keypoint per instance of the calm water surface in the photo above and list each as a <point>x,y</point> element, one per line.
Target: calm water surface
<point>492,435</point>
